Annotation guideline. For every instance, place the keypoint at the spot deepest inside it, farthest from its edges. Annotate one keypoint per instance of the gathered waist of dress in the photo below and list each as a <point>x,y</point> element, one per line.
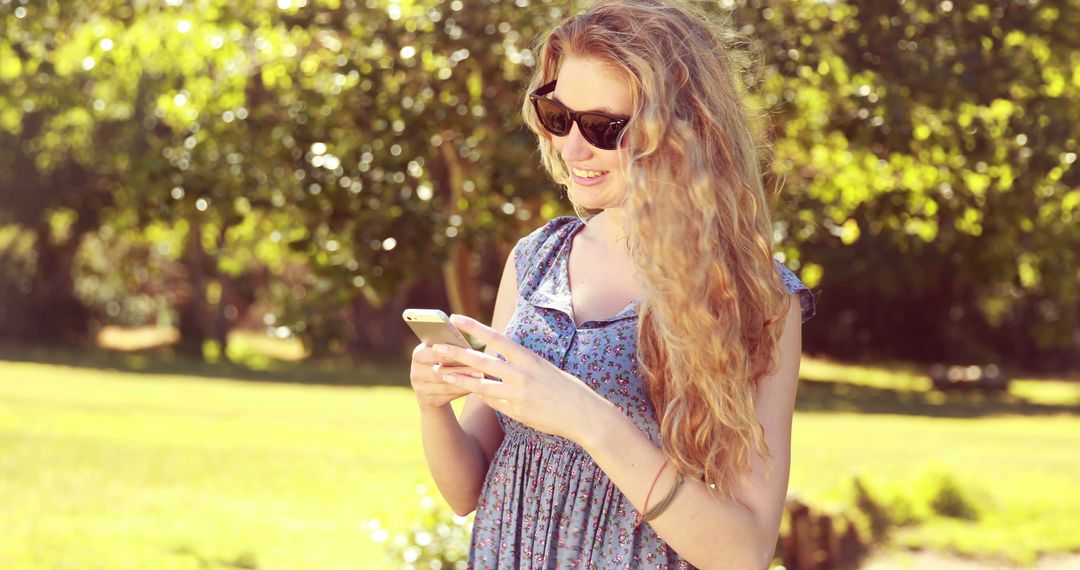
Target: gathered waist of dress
<point>524,435</point>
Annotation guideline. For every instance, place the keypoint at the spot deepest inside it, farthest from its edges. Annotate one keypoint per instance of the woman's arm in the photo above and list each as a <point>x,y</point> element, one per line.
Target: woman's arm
<point>458,452</point>
<point>738,534</point>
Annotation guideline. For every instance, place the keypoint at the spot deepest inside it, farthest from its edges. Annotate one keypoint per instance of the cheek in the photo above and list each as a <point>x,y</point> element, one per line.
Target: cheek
<point>613,160</point>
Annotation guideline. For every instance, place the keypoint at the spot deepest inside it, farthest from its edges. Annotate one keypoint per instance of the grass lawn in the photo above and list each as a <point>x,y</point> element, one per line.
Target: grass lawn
<point>103,468</point>
<point>1012,456</point>
<point>109,470</point>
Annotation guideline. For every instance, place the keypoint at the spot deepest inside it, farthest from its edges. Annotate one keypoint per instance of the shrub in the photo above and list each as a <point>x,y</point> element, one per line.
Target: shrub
<point>438,540</point>
<point>875,514</point>
<point>950,500</point>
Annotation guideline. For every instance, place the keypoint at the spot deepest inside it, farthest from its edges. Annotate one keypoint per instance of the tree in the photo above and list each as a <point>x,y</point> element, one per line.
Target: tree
<point>329,161</point>
<point>927,150</point>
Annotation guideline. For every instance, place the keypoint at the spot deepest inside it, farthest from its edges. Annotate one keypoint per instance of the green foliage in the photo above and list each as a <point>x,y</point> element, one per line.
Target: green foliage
<point>329,133</point>
<point>124,277</point>
<point>875,514</point>
<point>952,500</point>
<point>884,505</point>
<point>927,153</point>
<point>437,539</point>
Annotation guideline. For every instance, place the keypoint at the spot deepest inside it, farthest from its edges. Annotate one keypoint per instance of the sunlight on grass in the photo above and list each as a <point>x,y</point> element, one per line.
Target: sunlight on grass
<point>164,471</point>
<point>135,338</point>
<point>107,469</point>
<point>1019,469</point>
<point>254,347</point>
<point>251,345</point>
<point>826,370</point>
<point>907,378</point>
<point>1051,392</point>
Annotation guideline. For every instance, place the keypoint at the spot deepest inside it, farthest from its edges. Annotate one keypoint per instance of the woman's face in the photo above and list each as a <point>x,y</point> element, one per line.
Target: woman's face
<point>586,85</point>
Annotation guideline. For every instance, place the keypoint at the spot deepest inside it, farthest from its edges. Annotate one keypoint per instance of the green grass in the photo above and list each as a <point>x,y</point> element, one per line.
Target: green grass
<point>1018,472</point>
<point>101,469</point>
<point>107,464</point>
<point>1013,455</point>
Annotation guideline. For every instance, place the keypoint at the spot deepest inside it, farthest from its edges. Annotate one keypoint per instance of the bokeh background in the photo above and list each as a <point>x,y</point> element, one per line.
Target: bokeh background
<point>213,213</point>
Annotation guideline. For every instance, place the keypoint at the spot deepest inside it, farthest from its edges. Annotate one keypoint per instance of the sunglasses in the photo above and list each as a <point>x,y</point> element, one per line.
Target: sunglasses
<point>600,129</point>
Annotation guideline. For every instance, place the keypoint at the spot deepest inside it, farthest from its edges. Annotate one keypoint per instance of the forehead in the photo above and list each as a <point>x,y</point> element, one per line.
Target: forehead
<point>589,85</point>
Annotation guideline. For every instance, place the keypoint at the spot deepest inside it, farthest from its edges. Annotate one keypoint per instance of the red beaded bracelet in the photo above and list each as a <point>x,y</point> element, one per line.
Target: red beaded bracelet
<point>637,518</point>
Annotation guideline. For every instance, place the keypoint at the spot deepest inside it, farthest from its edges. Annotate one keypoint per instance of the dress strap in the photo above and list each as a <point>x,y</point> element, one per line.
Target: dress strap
<point>795,285</point>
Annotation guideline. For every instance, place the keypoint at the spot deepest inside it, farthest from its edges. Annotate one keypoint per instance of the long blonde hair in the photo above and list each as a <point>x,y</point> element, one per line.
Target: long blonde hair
<point>700,234</point>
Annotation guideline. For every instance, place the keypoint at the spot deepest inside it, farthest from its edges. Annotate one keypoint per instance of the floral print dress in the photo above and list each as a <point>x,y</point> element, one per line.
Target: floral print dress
<point>545,503</point>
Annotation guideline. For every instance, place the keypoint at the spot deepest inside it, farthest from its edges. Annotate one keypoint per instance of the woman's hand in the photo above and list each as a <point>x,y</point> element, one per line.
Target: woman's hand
<point>426,375</point>
<point>533,391</point>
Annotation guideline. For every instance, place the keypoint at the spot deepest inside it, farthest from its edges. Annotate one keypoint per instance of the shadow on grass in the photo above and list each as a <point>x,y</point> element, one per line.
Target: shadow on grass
<point>825,396</point>
<point>379,370</point>
<point>393,370</point>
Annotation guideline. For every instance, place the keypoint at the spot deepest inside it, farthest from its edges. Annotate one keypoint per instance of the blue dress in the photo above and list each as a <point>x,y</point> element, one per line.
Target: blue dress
<point>545,503</point>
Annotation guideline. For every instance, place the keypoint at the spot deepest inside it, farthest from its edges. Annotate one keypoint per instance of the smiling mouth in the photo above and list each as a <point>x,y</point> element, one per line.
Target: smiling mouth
<point>588,173</point>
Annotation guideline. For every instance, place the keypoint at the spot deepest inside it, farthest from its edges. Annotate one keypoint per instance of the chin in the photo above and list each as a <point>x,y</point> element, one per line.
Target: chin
<point>590,204</point>
<point>593,198</point>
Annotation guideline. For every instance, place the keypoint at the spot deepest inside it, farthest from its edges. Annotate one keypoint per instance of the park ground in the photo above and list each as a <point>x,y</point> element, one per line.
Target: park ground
<point>115,459</point>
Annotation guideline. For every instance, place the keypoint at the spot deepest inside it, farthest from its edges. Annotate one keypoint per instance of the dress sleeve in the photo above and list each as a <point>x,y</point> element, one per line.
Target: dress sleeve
<point>527,249</point>
<point>521,257</point>
<point>794,285</point>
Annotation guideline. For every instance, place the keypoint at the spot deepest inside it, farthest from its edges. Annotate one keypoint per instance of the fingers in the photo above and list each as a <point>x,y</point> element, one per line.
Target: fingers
<point>427,378</point>
<point>430,387</point>
<point>483,362</point>
<point>439,371</point>
<point>513,351</point>
<point>425,354</point>
<point>490,391</point>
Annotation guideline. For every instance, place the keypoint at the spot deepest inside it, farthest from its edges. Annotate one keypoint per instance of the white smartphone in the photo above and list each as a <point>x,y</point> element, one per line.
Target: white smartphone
<point>433,327</point>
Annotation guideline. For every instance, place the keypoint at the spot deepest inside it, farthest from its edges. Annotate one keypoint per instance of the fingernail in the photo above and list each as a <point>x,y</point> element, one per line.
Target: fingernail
<point>441,349</point>
<point>451,378</point>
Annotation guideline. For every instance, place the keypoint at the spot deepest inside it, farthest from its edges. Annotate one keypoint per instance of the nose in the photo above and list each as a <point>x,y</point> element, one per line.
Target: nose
<point>574,147</point>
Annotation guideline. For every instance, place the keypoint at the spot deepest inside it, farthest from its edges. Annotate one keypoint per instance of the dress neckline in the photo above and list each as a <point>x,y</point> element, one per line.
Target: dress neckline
<point>563,265</point>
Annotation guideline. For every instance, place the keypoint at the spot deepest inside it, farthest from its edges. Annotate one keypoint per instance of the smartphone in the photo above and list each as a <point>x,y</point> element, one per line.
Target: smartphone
<point>433,327</point>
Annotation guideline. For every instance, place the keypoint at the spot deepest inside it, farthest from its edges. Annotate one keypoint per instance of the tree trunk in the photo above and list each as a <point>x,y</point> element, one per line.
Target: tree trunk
<point>459,270</point>
<point>192,309</point>
<point>54,313</point>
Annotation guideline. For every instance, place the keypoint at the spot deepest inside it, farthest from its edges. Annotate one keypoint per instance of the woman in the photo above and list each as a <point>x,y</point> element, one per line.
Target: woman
<point>641,364</point>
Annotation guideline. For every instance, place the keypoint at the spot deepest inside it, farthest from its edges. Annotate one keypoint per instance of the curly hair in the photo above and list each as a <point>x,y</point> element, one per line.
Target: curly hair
<point>699,229</point>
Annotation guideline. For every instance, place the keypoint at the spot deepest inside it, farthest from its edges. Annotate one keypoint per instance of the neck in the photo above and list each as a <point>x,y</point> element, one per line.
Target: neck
<point>610,227</point>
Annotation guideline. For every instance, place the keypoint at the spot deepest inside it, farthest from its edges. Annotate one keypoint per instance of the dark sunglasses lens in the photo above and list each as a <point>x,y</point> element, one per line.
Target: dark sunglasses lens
<point>552,117</point>
<point>600,131</point>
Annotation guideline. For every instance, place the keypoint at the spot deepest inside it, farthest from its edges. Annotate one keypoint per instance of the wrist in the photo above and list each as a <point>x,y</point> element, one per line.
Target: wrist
<point>597,424</point>
<point>430,410</point>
